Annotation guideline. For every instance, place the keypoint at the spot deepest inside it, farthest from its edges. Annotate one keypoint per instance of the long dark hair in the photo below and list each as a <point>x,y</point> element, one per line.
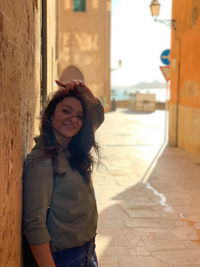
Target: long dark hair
<point>80,146</point>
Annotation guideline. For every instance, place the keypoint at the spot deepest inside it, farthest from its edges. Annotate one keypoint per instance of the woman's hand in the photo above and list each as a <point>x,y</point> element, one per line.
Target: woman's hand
<point>70,86</point>
<point>43,255</point>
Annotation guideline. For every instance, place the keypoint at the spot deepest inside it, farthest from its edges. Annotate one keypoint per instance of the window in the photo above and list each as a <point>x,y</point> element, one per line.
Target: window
<point>79,5</point>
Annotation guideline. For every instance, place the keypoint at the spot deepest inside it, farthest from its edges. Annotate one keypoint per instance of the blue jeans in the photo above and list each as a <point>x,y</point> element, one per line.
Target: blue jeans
<point>83,256</point>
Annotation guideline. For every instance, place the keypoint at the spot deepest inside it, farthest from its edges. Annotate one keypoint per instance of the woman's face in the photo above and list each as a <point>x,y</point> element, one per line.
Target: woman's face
<point>67,119</point>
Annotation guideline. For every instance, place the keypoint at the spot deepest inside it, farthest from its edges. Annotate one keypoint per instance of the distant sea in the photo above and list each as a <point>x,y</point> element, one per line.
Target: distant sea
<point>124,94</point>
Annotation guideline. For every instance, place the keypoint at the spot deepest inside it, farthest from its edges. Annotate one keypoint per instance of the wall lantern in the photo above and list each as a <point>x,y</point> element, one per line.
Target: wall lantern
<point>155,8</point>
<point>155,11</point>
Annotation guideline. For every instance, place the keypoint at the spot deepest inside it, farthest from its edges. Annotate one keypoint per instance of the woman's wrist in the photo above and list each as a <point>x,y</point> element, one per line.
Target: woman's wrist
<point>42,254</point>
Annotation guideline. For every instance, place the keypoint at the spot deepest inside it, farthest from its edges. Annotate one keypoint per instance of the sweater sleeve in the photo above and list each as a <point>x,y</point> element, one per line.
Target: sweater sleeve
<point>97,114</point>
<point>37,191</point>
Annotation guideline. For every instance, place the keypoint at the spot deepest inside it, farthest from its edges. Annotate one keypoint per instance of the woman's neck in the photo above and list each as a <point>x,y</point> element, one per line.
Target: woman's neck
<point>63,142</point>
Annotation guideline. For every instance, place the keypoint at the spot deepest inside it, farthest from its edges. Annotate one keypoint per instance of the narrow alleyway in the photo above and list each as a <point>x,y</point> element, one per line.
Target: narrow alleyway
<point>147,217</point>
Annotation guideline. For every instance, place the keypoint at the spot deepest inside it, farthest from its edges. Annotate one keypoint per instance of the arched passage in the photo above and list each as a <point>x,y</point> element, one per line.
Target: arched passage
<point>71,73</point>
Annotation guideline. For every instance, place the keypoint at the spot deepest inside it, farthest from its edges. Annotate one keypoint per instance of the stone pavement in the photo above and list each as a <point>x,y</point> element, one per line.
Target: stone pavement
<point>148,195</point>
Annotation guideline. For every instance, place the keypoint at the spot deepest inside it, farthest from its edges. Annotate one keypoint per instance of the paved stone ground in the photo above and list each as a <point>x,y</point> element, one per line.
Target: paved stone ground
<point>148,195</point>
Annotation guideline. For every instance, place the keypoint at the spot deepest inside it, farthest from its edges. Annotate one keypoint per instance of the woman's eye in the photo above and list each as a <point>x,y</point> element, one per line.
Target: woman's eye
<point>66,111</point>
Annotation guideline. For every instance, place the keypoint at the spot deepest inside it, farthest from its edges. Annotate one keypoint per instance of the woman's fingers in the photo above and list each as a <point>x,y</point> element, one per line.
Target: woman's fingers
<point>79,83</point>
<point>68,86</point>
<point>71,84</point>
<point>60,83</point>
<point>87,91</point>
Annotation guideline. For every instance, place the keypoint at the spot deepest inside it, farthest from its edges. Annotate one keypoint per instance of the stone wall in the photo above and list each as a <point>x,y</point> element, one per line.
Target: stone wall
<point>84,43</point>
<point>20,94</point>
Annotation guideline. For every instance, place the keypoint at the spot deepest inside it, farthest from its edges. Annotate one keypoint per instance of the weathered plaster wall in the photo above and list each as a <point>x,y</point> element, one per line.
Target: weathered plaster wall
<point>84,42</point>
<point>19,105</point>
<point>189,129</point>
<point>185,76</point>
<point>20,94</point>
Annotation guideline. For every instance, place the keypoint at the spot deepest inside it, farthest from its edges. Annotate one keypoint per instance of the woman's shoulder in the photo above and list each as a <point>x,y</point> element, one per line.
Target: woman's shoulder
<point>38,158</point>
<point>37,153</point>
<point>37,167</point>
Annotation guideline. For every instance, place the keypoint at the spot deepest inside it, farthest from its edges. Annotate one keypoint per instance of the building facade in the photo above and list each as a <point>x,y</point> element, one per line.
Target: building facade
<point>84,44</point>
<point>23,70</point>
<point>184,124</point>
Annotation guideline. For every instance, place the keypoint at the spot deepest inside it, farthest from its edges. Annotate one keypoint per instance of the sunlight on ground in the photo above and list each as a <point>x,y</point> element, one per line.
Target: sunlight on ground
<point>104,240</point>
<point>129,144</point>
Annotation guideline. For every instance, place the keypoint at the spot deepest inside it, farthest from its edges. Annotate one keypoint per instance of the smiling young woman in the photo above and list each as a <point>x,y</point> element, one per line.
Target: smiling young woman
<point>59,206</point>
<point>67,119</point>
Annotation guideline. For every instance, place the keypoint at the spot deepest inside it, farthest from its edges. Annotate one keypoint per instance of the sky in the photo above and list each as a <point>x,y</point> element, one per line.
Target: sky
<point>138,41</point>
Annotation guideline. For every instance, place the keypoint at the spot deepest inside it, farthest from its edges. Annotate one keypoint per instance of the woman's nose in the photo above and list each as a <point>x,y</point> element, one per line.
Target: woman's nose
<point>74,118</point>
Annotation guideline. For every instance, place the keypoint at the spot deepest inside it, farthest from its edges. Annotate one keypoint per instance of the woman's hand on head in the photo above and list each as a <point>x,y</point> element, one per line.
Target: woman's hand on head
<point>88,93</point>
<point>70,86</point>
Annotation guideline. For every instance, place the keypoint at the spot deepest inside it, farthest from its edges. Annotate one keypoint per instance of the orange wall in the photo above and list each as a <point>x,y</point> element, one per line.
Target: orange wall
<point>185,50</point>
